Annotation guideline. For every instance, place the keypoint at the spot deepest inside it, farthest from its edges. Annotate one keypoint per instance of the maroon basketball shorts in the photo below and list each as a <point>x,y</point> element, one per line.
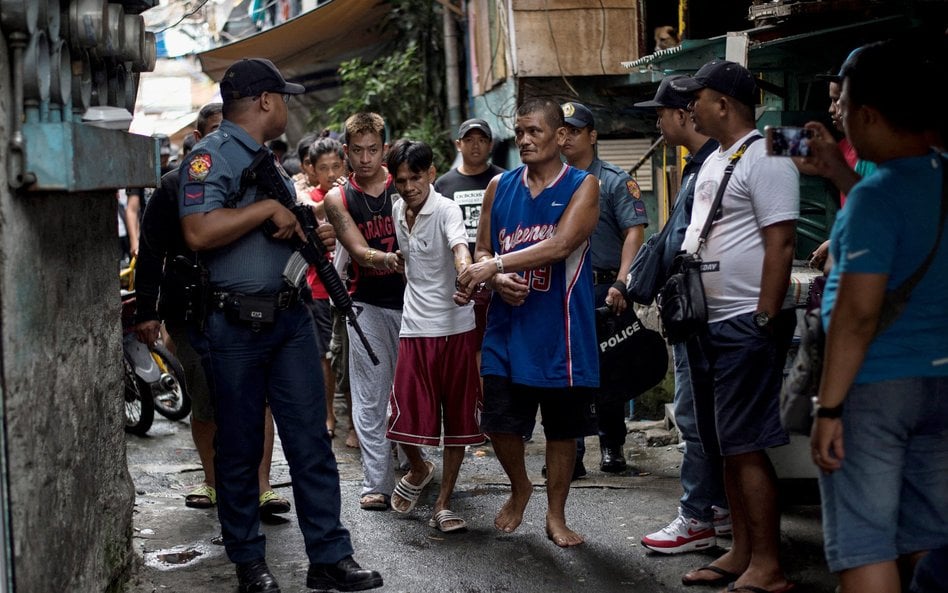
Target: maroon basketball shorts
<point>481,301</point>
<point>436,381</point>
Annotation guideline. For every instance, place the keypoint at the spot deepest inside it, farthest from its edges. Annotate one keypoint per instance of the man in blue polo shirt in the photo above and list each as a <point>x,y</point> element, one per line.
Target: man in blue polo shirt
<point>613,245</point>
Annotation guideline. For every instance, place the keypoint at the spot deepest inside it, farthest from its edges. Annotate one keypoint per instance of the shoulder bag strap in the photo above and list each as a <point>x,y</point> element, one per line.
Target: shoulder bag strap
<point>902,292</point>
<point>716,205</point>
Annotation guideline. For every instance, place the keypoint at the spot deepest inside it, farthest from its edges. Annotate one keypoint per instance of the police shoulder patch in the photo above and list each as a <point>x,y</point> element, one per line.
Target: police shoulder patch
<point>193,194</point>
<point>633,188</point>
<point>199,167</point>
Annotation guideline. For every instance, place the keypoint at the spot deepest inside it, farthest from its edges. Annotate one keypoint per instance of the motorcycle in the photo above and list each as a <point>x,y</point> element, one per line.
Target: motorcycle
<point>154,379</point>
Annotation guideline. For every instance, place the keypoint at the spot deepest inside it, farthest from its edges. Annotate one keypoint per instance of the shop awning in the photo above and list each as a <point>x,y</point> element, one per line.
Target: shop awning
<point>771,48</point>
<point>313,42</point>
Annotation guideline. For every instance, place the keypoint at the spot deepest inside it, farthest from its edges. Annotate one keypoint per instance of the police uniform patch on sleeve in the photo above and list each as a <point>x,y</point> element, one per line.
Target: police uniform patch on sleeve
<point>193,194</point>
<point>199,167</point>
<point>639,207</point>
<point>633,189</point>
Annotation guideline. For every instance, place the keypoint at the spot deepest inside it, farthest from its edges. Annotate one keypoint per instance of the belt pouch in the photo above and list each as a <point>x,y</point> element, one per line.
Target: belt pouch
<point>255,309</point>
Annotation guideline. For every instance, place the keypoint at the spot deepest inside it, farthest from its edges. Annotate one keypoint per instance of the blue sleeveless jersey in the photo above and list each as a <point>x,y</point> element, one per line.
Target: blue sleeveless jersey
<point>550,340</point>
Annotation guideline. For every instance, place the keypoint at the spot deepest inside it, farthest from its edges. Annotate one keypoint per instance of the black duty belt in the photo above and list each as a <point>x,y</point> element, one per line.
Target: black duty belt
<point>222,299</point>
<point>601,276</point>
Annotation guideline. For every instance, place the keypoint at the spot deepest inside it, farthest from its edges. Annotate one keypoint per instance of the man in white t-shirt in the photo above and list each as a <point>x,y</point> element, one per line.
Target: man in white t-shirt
<point>737,361</point>
<point>436,374</point>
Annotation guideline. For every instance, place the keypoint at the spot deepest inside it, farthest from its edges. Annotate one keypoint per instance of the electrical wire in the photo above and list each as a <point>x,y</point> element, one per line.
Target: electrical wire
<point>184,16</point>
<point>556,49</point>
<point>602,39</point>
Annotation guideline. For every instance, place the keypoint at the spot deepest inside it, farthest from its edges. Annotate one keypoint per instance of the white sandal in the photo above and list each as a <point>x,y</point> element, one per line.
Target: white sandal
<point>410,492</point>
<point>447,516</point>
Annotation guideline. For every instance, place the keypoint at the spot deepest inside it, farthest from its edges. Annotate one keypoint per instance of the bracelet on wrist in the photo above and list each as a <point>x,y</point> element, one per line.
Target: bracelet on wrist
<point>620,286</point>
<point>499,263</point>
<point>370,257</point>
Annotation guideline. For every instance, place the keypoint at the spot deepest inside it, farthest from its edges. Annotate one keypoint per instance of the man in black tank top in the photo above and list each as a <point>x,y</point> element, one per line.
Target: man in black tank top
<point>361,212</point>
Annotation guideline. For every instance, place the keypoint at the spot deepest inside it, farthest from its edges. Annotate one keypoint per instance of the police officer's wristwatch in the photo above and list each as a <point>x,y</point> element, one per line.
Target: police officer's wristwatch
<point>762,319</point>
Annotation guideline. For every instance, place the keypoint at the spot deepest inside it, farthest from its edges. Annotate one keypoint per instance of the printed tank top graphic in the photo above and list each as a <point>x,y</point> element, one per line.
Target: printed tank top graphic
<point>373,217</point>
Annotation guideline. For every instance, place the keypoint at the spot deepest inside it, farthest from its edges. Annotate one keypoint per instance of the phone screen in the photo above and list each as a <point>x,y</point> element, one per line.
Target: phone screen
<point>788,140</point>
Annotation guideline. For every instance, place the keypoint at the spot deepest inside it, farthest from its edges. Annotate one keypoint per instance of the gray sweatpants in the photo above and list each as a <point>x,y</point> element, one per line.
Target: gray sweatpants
<point>371,387</point>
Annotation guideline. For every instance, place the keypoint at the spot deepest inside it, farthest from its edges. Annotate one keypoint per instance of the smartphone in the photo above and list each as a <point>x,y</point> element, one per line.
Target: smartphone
<point>788,140</point>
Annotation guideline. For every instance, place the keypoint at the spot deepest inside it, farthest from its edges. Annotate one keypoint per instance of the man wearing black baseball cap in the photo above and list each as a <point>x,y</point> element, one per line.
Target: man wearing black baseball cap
<point>702,512</point>
<point>727,78</point>
<point>261,340</point>
<point>736,359</point>
<point>251,76</point>
<point>465,184</point>
<point>862,167</point>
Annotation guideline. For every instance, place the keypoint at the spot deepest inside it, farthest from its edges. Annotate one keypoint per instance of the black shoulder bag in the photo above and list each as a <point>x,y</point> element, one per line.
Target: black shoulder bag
<point>803,380</point>
<point>632,357</point>
<point>648,273</point>
<point>681,302</point>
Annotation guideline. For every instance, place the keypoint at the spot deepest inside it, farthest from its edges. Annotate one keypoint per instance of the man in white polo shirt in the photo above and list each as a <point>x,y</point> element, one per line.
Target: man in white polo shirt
<point>436,375</point>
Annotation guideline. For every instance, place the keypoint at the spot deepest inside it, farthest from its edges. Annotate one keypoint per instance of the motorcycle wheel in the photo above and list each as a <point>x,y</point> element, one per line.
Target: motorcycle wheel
<point>171,399</point>
<point>139,405</point>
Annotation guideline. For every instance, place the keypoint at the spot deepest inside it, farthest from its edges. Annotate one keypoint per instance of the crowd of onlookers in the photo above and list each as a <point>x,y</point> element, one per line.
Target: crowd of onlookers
<point>476,291</point>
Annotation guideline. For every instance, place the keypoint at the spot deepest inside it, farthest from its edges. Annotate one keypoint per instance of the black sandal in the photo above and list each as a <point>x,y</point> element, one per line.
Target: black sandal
<point>725,577</point>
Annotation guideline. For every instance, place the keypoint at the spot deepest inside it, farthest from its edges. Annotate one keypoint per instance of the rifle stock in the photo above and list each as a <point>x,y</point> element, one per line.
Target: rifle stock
<point>263,173</point>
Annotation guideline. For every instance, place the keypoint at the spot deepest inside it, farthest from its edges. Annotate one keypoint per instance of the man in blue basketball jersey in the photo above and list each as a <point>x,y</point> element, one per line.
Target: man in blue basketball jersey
<point>540,346</point>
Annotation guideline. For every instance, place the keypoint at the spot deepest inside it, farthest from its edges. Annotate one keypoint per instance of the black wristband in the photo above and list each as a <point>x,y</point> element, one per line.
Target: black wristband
<point>824,412</point>
<point>620,286</point>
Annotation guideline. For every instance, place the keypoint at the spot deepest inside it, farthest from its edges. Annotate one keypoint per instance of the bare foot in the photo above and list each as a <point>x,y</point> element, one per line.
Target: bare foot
<point>511,514</point>
<point>352,439</point>
<point>562,535</point>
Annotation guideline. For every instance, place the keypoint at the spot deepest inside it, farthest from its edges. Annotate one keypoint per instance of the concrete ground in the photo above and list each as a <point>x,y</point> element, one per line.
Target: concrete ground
<point>177,553</point>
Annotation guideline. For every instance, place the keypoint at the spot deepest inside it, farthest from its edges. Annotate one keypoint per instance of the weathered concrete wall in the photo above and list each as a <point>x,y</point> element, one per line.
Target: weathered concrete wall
<point>71,495</point>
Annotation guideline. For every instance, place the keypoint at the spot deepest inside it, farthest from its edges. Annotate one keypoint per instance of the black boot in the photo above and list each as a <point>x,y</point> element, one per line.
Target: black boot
<point>612,460</point>
<point>345,575</point>
<point>255,577</point>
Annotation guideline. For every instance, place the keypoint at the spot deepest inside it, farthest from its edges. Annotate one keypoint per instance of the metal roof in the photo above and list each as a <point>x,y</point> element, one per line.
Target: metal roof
<point>770,48</point>
<point>313,42</point>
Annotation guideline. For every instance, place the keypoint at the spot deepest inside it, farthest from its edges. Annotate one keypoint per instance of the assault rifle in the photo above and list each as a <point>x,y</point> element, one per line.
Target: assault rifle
<point>263,173</point>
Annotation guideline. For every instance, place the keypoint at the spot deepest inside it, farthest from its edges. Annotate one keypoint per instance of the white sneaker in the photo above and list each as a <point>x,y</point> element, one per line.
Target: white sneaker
<point>681,535</point>
<point>722,521</point>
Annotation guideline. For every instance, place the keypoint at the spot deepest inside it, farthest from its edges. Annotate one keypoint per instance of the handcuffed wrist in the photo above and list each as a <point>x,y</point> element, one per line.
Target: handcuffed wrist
<point>620,286</point>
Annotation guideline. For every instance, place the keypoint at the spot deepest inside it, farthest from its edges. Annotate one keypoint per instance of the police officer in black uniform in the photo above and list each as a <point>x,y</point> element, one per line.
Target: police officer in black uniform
<point>261,340</point>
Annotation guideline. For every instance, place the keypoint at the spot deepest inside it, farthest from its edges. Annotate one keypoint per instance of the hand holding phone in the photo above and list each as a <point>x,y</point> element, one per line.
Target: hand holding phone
<point>788,140</point>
